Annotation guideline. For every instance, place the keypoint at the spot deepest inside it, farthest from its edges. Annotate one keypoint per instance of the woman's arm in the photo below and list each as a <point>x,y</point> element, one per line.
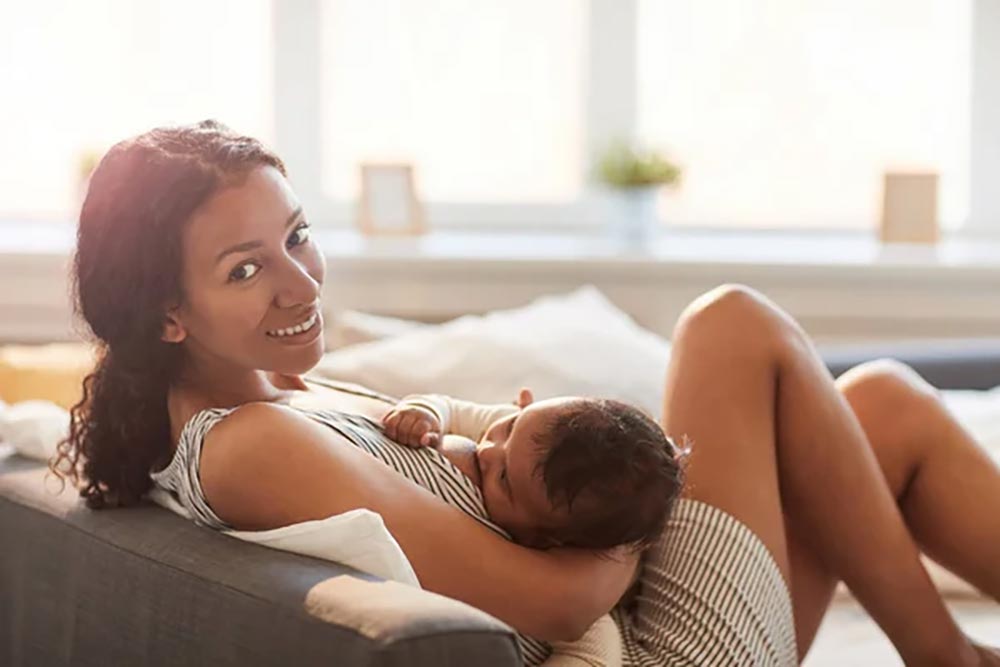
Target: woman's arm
<point>266,466</point>
<point>601,646</point>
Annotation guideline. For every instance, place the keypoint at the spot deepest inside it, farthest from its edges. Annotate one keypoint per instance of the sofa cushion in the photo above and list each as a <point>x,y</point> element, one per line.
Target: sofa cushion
<point>143,586</point>
<point>51,372</point>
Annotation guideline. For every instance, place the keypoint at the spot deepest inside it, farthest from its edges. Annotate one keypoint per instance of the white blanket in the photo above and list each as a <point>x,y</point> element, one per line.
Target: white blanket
<point>358,539</point>
<point>979,412</point>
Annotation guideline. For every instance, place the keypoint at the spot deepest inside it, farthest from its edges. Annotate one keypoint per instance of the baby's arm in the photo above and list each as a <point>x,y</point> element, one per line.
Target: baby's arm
<point>459,417</point>
<point>600,646</point>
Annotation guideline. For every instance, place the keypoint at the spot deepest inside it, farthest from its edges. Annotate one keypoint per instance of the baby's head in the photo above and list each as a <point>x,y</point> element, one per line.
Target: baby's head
<point>593,473</point>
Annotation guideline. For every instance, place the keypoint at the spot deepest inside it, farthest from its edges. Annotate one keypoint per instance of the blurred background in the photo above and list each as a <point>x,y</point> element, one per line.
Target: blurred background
<point>842,156</point>
<point>783,113</point>
<point>779,120</point>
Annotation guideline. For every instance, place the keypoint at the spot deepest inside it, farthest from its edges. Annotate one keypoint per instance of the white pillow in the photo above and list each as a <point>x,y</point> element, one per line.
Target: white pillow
<point>34,428</point>
<point>573,344</point>
<point>351,327</point>
<point>357,538</point>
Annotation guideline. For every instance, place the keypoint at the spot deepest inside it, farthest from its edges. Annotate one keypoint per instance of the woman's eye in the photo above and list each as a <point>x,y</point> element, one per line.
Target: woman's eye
<point>299,236</point>
<point>239,274</point>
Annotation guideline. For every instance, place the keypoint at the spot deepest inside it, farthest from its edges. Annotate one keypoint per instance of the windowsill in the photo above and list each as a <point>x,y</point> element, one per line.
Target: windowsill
<point>677,247</point>
<point>785,249</point>
<point>845,286</point>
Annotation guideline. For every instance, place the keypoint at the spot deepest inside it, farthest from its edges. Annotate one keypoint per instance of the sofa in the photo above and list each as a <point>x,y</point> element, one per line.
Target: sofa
<point>142,586</point>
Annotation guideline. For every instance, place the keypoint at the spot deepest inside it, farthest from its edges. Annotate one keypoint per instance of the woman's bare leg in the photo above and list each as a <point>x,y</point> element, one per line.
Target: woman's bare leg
<point>776,446</point>
<point>946,486</point>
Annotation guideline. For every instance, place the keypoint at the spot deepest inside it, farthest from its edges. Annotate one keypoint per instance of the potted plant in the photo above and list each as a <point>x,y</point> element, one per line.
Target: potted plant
<point>635,177</point>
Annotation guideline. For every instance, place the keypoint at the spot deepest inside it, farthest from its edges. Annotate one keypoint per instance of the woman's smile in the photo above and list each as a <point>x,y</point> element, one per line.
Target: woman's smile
<point>300,334</point>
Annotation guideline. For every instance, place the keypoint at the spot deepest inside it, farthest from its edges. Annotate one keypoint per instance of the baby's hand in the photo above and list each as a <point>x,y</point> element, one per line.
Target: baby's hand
<point>412,426</point>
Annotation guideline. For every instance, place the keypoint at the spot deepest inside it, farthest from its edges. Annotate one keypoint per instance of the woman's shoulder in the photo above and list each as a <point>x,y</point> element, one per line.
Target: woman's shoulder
<point>240,435</point>
<point>254,433</point>
<point>264,465</point>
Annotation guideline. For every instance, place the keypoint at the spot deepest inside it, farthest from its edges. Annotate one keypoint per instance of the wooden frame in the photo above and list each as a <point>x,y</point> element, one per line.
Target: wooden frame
<point>909,208</point>
<point>388,203</point>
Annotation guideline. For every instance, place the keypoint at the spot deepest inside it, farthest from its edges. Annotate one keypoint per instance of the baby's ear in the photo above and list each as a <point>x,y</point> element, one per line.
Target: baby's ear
<point>525,398</point>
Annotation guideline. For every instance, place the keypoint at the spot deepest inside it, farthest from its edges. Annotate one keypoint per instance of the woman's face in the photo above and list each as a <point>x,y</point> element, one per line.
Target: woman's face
<point>251,274</point>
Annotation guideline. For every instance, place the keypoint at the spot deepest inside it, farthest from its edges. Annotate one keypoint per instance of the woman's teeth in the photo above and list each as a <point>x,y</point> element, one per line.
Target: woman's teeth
<point>297,329</point>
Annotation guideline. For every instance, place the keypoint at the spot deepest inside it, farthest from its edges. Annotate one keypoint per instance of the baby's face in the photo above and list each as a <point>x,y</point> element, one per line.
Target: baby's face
<point>513,490</point>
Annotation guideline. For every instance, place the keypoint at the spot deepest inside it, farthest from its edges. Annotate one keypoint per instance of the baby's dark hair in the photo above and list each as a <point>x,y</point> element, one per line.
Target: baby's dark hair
<point>614,471</point>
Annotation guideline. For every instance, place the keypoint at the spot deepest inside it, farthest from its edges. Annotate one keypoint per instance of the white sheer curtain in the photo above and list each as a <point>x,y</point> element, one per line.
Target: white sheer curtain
<point>787,112</point>
<point>782,112</point>
<point>77,76</point>
<point>485,98</point>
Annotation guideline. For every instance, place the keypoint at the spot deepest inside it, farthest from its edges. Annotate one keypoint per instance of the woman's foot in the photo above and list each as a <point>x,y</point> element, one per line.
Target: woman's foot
<point>970,654</point>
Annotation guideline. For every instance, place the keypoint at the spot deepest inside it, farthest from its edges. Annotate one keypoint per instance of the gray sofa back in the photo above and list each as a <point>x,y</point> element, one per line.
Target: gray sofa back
<point>972,363</point>
<point>142,586</point>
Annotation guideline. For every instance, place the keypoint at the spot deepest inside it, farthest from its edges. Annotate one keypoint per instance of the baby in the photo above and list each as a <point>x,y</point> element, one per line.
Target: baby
<point>580,472</point>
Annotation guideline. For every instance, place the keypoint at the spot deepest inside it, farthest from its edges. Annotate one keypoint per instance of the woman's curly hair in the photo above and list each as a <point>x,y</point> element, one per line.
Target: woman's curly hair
<point>126,276</point>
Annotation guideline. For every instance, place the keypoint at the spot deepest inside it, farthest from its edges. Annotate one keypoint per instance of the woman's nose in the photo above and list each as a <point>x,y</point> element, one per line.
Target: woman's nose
<point>296,286</point>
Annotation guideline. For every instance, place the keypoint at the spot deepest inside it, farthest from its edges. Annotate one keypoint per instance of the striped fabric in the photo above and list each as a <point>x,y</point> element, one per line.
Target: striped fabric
<point>425,466</point>
<point>710,594</point>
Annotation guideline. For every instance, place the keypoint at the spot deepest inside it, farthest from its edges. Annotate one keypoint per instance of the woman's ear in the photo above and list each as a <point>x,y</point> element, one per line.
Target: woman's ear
<point>173,330</point>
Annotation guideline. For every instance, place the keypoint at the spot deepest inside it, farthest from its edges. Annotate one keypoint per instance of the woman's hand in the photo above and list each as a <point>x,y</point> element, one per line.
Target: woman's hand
<point>413,426</point>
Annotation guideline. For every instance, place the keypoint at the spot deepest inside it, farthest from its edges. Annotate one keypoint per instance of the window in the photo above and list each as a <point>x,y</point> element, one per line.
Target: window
<point>485,98</point>
<point>786,113</point>
<point>782,113</point>
<point>78,76</point>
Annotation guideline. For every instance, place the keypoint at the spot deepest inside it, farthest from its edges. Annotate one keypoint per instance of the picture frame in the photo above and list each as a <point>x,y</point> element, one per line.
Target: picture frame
<point>909,208</point>
<point>388,203</point>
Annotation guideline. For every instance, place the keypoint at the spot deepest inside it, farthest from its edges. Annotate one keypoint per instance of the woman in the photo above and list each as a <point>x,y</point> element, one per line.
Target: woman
<point>195,272</point>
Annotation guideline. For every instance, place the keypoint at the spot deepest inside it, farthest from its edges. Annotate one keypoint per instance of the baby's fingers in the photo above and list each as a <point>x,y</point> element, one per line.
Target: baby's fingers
<point>390,424</point>
<point>422,433</point>
<point>412,427</point>
<point>404,430</point>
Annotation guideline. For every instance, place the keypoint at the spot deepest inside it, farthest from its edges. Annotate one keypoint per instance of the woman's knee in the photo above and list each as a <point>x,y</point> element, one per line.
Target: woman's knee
<point>885,385</point>
<point>739,313</point>
<point>895,407</point>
